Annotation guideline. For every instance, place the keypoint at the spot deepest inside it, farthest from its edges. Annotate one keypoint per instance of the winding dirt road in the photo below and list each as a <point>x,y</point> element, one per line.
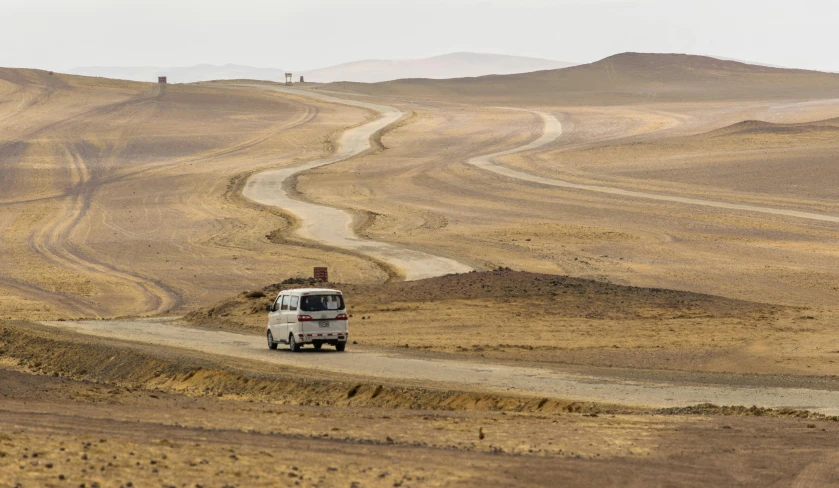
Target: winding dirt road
<point>553,130</point>
<point>457,374</point>
<point>333,226</point>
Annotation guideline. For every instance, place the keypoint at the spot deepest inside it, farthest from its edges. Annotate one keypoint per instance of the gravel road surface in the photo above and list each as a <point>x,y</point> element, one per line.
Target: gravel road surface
<point>462,374</point>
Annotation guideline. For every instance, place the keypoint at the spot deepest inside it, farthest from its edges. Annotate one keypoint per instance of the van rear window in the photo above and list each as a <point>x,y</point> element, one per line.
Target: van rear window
<point>320,303</point>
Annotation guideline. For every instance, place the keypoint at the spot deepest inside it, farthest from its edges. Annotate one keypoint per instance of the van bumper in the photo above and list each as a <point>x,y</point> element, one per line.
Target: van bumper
<point>323,338</point>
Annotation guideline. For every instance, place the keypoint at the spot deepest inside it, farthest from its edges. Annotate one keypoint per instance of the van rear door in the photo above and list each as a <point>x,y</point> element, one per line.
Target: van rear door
<point>328,314</point>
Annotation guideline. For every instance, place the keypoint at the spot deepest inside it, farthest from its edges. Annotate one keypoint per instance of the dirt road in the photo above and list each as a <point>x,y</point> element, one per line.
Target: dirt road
<point>456,374</point>
<point>334,226</point>
<point>553,130</point>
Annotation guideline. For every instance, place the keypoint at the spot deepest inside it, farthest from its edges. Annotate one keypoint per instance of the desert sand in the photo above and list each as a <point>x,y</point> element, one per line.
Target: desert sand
<point>618,273</point>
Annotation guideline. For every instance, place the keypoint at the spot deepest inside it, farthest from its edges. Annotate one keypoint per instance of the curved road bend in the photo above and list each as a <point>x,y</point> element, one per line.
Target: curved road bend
<point>333,226</point>
<point>553,130</point>
<point>462,374</point>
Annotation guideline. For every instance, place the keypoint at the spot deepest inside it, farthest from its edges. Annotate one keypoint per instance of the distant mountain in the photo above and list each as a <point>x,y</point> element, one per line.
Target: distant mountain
<point>455,65</point>
<point>623,78</point>
<point>187,74</point>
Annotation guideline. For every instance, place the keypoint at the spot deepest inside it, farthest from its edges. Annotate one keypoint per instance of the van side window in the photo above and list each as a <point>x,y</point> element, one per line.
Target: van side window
<point>276,305</point>
<point>293,304</point>
<point>285,303</point>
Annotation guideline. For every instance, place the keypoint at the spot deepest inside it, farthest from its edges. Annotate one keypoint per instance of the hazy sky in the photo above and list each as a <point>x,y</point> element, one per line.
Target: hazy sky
<point>304,34</point>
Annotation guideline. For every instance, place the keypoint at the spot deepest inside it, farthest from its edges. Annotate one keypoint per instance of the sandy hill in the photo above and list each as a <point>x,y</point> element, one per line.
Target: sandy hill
<point>762,127</point>
<point>104,185</point>
<point>183,74</point>
<point>454,65</point>
<point>623,78</point>
<point>561,295</point>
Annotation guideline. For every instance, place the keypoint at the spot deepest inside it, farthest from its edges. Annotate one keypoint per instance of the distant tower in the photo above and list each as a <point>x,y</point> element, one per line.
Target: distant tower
<point>288,81</point>
<point>301,79</point>
<point>161,80</point>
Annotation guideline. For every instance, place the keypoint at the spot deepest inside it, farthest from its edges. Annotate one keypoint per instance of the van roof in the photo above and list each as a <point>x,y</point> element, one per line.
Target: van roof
<point>315,290</point>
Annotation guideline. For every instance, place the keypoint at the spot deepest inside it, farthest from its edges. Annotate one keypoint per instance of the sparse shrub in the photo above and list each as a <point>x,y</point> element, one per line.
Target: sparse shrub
<point>299,281</point>
<point>255,294</point>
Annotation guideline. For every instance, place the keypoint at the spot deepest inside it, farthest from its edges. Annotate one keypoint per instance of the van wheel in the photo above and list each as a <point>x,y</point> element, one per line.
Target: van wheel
<point>292,344</point>
<point>271,343</point>
<point>317,345</point>
<point>340,346</point>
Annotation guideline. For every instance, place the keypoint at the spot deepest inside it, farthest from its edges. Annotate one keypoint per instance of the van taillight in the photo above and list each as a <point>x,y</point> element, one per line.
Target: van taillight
<point>341,316</point>
<point>304,318</point>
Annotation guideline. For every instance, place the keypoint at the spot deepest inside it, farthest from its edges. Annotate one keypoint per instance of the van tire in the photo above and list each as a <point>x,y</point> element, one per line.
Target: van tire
<point>292,344</point>
<point>318,345</point>
<point>271,343</point>
<point>340,346</point>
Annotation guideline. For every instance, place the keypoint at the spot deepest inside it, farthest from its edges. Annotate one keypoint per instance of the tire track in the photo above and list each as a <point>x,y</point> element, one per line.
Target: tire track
<point>53,243</point>
<point>309,114</point>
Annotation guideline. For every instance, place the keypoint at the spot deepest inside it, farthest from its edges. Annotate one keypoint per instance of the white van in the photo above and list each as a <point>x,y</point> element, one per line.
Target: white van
<point>315,316</point>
